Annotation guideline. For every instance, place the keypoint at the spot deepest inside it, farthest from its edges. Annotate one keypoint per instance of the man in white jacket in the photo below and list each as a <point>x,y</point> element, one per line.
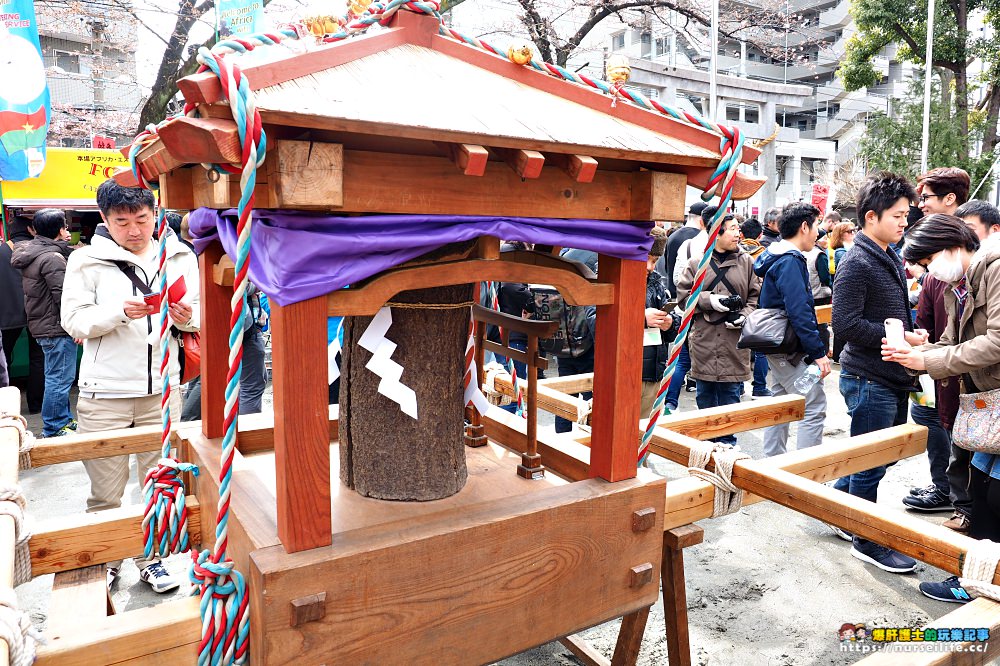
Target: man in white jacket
<point>103,305</point>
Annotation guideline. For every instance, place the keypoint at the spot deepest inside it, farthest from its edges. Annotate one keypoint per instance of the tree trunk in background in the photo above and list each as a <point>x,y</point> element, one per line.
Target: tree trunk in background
<point>385,453</point>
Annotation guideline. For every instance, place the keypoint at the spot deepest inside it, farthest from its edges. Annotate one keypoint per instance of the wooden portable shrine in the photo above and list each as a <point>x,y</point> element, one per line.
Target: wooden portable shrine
<point>507,561</point>
<point>409,121</point>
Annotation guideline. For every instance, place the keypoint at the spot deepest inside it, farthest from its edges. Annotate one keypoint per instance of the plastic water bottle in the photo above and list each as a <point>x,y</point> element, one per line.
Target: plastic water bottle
<point>804,384</point>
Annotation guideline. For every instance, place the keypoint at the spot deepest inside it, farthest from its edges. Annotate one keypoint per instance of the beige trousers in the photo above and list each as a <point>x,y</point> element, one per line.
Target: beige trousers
<point>108,476</point>
<point>649,390</point>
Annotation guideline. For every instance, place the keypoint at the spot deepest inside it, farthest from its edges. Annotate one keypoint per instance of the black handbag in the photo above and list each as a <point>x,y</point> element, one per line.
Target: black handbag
<point>768,331</point>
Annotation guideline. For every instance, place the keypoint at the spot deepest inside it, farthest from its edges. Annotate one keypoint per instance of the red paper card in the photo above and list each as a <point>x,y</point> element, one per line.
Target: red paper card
<point>177,291</point>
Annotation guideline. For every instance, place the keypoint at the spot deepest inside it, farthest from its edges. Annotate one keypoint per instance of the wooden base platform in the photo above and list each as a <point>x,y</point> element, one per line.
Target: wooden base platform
<point>504,565</point>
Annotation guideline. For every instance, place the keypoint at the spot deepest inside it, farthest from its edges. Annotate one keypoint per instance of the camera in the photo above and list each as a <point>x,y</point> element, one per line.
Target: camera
<point>734,302</point>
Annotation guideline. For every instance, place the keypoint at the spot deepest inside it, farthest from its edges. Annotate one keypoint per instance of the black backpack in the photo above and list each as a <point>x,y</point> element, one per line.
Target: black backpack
<point>574,338</point>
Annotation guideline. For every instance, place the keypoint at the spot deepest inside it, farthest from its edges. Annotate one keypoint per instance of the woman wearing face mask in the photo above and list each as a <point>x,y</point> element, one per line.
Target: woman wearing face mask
<point>969,348</point>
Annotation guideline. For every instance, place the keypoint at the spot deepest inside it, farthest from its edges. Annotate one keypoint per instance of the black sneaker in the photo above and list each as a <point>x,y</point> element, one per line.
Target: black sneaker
<point>950,590</point>
<point>690,387</point>
<point>932,501</point>
<point>762,393</point>
<point>884,558</point>
<point>923,490</point>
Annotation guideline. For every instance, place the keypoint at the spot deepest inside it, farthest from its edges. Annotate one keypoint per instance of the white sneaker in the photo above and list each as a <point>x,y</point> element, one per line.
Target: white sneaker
<point>112,576</point>
<point>156,575</point>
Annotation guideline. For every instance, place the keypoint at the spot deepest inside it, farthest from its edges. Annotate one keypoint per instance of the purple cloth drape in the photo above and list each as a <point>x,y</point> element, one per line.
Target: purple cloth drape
<point>297,256</point>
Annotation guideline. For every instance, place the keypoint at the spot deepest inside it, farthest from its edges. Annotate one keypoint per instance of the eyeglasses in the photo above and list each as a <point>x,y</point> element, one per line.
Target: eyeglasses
<point>924,197</point>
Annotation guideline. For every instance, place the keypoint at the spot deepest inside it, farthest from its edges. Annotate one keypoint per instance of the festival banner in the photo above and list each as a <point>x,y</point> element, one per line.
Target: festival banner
<point>24,95</point>
<point>238,17</point>
<point>820,195</point>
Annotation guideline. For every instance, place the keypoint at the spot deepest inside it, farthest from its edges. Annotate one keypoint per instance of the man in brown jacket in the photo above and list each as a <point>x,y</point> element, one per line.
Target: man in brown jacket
<point>730,294</point>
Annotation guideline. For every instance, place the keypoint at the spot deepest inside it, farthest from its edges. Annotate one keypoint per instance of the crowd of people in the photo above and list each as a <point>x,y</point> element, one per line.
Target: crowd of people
<point>914,287</point>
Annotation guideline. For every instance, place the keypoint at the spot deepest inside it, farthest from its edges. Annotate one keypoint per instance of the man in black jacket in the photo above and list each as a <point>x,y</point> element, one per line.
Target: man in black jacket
<point>13,320</point>
<point>42,262</point>
<point>871,288</point>
<point>661,326</point>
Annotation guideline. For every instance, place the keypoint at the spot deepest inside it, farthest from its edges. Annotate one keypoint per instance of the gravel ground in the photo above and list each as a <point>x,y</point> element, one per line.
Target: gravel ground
<point>767,587</point>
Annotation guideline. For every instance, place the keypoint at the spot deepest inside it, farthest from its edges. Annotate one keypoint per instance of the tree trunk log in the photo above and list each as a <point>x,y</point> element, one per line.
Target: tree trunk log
<point>385,453</point>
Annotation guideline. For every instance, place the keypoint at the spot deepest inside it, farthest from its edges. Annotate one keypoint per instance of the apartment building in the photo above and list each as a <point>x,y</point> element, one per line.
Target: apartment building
<point>88,48</point>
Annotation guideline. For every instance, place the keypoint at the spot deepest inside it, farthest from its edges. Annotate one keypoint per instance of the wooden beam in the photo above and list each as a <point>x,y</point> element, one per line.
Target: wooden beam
<point>469,158</point>
<point>192,140</point>
<point>145,635</point>
<point>562,456</point>
<point>976,614</point>
<point>83,540</point>
<point>675,613</point>
<point>580,168</point>
<point>570,383</point>
<point>77,595</point>
<point>215,314</point>
<point>933,544</point>
<point>658,196</point>
<point>301,430</point>
<point>368,298</point>
<point>306,175</point>
<point>618,371</point>
<point>583,651</point>
<point>689,500</point>
<point>823,314</point>
<point>525,163</point>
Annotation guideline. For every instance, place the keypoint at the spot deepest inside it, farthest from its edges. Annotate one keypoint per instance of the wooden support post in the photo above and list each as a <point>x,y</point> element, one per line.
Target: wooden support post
<point>630,638</point>
<point>531,462</point>
<point>583,651</point>
<point>301,429</point>
<point>307,175</point>
<point>618,371</point>
<point>215,313</point>
<point>675,593</point>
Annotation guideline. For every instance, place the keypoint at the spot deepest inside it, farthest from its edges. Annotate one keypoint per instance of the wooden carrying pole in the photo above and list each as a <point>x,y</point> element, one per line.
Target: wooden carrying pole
<point>10,447</point>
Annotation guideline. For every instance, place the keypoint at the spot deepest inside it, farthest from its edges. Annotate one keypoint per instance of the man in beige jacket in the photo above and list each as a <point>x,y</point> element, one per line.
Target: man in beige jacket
<point>102,305</point>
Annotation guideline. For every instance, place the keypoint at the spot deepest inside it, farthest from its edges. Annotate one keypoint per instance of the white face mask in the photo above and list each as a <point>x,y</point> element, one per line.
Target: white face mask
<point>947,267</point>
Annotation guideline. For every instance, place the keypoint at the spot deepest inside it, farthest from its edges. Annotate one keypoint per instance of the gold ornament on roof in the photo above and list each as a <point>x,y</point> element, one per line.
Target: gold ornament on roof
<point>618,69</point>
<point>358,7</point>
<point>520,54</point>
<point>321,25</point>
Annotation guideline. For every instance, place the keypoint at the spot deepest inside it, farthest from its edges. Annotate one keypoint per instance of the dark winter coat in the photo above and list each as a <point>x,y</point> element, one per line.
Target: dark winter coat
<point>786,287</point>
<point>11,293</point>
<point>654,357</point>
<point>42,262</point>
<point>711,344</point>
<point>769,237</point>
<point>870,288</point>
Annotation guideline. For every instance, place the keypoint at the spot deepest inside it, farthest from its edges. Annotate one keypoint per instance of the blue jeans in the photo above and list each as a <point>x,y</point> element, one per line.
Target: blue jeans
<point>718,394</point>
<point>677,380</point>
<point>253,379</point>
<point>872,407</point>
<point>575,366</point>
<point>938,445</point>
<point>60,371</point>
<point>760,368</point>
<point>520,368</point>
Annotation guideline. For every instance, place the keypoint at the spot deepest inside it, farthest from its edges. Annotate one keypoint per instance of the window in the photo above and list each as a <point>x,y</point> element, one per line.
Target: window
<point>68,62</point>
<point>636,36</point>
<point>618,41</point>
<point>752,115</point>
<point>662,46</point>
<point>647,45</point>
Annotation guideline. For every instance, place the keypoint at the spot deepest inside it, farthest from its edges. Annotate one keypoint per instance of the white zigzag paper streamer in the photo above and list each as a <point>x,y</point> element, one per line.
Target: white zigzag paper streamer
<point>383,366</point>
<point>473,393</point>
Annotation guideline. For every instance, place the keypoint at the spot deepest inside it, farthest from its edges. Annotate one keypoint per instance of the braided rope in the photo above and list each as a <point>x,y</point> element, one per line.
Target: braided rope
<point>25,438</point>
<point>224,601</point>
<point>728,497</point>
<point>13,504</point>
<point>165,518</point>
<point>16,630</point>
<point>980,565</point>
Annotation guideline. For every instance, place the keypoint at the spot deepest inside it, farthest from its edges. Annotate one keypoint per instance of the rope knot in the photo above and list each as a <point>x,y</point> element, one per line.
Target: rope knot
<point>165,520</point>
<point>25,438</point>
<point>224,608</point>
<point>16,630</point>
<point>728,497</point>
